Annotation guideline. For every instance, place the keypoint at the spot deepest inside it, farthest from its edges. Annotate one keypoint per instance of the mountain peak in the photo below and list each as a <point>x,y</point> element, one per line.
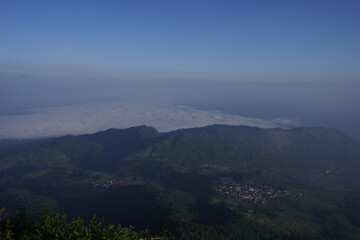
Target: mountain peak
<point>144,131</point>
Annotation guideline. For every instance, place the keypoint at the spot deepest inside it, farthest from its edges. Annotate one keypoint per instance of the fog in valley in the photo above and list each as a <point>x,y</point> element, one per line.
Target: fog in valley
<point>32,107</point>
<point>175,64</point>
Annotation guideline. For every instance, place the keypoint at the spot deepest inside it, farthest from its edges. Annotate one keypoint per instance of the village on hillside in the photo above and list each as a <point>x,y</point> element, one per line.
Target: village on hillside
<point>109,184</point>
<point>260,194</point>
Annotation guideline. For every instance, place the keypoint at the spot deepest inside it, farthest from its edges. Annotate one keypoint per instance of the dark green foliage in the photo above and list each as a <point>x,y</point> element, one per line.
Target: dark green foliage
<point>118,144</point>
<point>171,180</point>
<point>51,225</point>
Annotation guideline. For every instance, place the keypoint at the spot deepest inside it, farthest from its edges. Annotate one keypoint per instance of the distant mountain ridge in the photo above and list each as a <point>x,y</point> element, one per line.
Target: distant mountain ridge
<point>300,152</point>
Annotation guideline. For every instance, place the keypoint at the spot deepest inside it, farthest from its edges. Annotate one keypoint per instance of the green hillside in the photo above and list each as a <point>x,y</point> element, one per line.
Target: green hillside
<point>219,181</point>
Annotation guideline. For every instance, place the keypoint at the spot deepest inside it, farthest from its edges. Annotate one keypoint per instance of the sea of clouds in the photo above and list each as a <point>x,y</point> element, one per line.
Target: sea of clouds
<point>89,118</point>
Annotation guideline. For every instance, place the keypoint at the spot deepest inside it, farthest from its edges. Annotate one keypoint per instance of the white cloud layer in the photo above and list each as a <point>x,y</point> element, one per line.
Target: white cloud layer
<point>89,118</point>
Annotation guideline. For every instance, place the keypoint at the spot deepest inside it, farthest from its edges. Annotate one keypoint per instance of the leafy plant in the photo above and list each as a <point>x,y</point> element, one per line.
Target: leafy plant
<point>51,225</point>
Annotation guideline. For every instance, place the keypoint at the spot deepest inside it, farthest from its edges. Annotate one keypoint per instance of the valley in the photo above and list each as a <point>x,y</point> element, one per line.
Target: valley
<point>230,182</point>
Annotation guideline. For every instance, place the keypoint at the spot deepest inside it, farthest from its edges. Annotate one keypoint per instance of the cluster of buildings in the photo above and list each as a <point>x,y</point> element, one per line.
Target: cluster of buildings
<point>256,195</point>
<point>109,184</point>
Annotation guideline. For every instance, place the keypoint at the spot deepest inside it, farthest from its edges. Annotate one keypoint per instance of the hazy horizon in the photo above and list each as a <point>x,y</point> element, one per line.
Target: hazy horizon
<point>79,67</point>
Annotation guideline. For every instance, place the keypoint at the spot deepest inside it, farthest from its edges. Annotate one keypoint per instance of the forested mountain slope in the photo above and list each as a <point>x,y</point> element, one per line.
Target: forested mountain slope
<point>200,182</point>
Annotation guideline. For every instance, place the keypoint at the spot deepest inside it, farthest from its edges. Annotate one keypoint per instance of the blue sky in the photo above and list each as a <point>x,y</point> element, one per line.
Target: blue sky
<point>270,63</point>
<point>182,40</point>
